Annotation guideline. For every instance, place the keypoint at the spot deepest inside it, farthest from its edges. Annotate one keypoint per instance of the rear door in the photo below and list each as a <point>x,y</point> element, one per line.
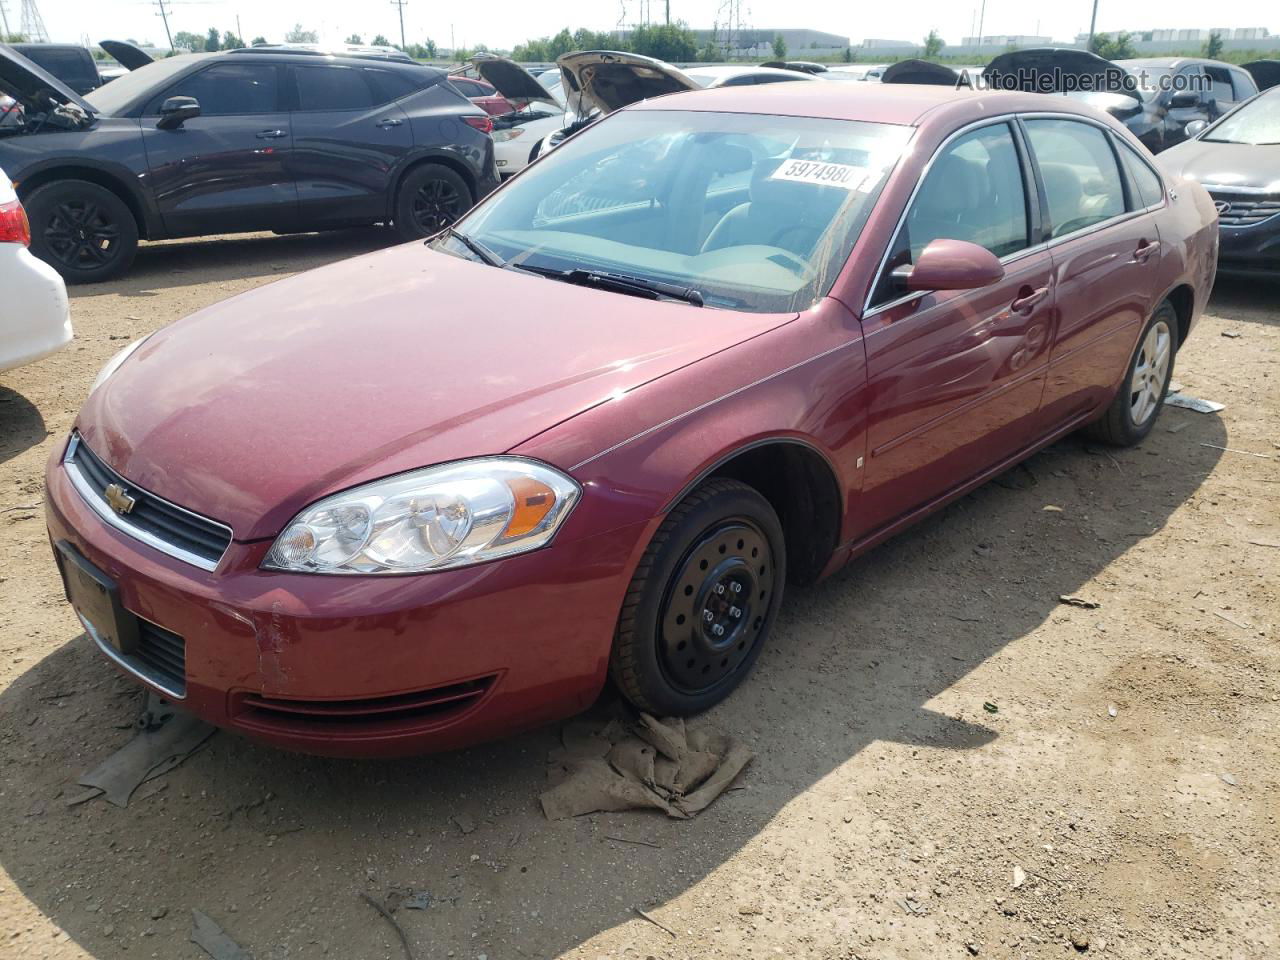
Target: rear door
<point>349,138</point>
<point>955,377</point>
<point>1101,200</point>
<point>225,170</point>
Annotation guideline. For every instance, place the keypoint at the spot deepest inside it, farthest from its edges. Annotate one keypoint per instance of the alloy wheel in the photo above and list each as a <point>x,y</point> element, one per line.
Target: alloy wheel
<point>716,606</point>
<point>81,235</point>
<point>436,205</point>
<point>1150,372</point>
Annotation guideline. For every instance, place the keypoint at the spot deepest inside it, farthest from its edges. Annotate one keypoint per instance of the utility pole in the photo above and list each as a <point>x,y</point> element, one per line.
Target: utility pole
<point>4,20</point>
<point>239,29</point>
<point>401,5</point>
<point>1093,23</point>
<point>668,12</point>
<point>981,17</point>
<point>164,15</point>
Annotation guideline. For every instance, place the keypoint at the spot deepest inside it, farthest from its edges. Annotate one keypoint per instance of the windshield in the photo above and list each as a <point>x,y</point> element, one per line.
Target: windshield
<point>756,213</point>
<point>113,98</point>
<point>1256,122</point>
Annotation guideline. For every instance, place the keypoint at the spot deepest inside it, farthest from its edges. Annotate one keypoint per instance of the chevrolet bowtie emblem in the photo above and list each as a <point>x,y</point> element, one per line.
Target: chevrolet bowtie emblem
<point>118,498</point>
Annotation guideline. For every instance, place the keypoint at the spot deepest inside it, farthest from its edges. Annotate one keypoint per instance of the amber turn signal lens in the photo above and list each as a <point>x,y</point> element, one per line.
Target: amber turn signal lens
<point>534,501</point>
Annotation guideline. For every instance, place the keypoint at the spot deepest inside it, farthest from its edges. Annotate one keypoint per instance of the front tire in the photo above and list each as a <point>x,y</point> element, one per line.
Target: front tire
<point>81,229</point>
<point>431,197</point>
<point>1136,407</point>
<point>701,602</point>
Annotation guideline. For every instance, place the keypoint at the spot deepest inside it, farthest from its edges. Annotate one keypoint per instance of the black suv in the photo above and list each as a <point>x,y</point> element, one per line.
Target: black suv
<point>255,139</point>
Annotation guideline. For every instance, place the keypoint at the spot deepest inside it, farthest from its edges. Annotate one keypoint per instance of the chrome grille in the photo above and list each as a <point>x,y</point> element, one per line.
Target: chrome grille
<point>1237,211</point>
<point>151,519</point>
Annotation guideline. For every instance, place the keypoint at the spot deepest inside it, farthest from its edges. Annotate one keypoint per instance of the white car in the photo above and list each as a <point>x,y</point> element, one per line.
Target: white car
<point>34,318</point>
<point>733,75</point>
<point>539,109</point>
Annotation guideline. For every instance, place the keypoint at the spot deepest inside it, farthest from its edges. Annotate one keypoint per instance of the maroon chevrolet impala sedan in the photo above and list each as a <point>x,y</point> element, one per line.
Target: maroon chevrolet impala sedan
<point>718,342</point>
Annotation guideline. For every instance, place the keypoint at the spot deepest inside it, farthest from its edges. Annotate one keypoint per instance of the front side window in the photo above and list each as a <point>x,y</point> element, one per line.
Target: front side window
<point>228,90</point>
<point>1081,177</point>
<point>332,88</point>
<point>757,213</point>
<point>1257,122</point>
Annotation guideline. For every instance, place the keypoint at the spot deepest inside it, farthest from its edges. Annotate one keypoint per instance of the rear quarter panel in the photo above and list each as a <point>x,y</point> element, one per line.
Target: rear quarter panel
<point>1189,236</point>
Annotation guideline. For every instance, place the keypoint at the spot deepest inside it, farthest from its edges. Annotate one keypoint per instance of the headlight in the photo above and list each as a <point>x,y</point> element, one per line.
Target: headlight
<point>432,519</point>
<point>511,134</point>
<point>112,365</point>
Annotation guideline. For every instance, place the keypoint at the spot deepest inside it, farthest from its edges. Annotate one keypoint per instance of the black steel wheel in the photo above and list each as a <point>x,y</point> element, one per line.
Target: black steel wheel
<point>82,229</point>
<point>431,198</point>
<point>701,601</point>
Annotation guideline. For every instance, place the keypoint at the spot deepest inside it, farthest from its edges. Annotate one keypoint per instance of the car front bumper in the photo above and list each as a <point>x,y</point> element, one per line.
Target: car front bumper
<point>1253,249</point>
<point>36,320</point>
<point>363,666</point>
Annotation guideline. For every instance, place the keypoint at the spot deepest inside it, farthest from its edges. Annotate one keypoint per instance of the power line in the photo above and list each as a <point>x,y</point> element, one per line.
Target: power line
<point>164,15</point>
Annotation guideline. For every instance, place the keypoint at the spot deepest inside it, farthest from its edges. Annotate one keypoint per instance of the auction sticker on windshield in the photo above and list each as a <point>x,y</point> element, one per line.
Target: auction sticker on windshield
<point>822,174</point>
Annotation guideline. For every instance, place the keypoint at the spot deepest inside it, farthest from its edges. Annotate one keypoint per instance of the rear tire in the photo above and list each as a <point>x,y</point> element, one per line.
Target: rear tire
<point>431,197</point>
<point>1136,407</point>
<point>701,602</point>
<point>81,229</point>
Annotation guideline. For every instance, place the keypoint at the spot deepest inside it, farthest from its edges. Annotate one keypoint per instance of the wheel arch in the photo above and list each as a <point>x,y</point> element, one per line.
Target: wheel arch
<point>103,178</point>
<point>1183,300</point>
<point>802,486</point>
<point>444,160</point>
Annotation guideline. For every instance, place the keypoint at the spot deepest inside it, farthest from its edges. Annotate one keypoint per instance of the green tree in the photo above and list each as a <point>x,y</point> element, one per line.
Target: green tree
<point>1121,48</point>
<point>710,53</point>
<point>779,47</point>
<point>355,40</point>
<point>230,41</point>
<point>932,45</point>
<point>1213,46</point>
<point>848,54</point>
<point>298,35</point>
<point>429,49</point>
<point>259,41</point>
<point>381,41</point>
<point>211,41</point>
<point>184,39</point>
<point>673,42</point>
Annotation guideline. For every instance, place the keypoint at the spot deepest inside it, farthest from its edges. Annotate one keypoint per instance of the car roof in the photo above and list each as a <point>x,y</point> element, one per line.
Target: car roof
<point>1171,63</point>
<point>904,104</point>
<point>304,54</point>
<point>737,70</point>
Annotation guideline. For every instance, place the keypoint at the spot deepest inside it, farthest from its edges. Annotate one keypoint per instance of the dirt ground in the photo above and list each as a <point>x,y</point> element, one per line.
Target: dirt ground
<point>1129,776</point>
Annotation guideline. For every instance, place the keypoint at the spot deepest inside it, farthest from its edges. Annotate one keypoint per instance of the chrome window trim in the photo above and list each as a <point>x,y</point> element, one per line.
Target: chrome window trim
<point>114,520</point>
<point>869,311</point>
<point>131,664</point>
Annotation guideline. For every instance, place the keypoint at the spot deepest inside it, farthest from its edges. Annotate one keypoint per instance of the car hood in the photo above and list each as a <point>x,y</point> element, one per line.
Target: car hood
<point>128,55</point>
<point>920,71</point>
<point>1030,68</point>
<point>34,87</point>
<point>251,409</point>
<point>1244,165</point>
<point>607,80</point>
<point>512,80</point>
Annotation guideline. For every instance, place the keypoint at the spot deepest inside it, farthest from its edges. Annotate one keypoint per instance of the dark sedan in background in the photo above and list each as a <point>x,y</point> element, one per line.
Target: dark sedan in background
<point>1237,160</point>
<point>257,139</point>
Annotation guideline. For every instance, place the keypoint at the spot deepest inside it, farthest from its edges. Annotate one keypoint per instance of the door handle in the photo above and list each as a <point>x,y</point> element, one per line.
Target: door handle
<point>1027,302</point>
<point>270,134</point>
<point>1145,249</point>
<point>389,122</point>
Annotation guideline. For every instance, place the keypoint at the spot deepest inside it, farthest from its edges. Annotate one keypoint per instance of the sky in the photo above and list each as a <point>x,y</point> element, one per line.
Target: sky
<point>503,23</point>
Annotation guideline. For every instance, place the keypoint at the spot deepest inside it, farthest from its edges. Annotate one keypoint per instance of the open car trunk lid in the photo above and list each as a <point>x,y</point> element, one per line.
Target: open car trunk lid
<point>920,71</point>
<point>34,87</point>
<point>512,81</point>
<point>607,80</point>
<point>1265,73</point>
<point>1072,71</point>
<point>128,55</point>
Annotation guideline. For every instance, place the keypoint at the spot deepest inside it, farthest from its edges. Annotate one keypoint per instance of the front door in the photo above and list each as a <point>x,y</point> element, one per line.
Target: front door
<point>225,170</point>
<point>955,377</point>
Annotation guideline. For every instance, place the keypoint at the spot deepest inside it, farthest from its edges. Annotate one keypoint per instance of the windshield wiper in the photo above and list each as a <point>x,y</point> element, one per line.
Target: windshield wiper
<point>475,246</point>
<point>621,283</point>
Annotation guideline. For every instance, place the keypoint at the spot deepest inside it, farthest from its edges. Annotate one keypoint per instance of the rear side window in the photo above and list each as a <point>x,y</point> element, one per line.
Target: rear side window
<point>1150,190</point>
<point>228,90</point>
<point>1220,78</point>
<point>391,85</point>
<point>1243,85</point>
<point>332,88</point>
<point>1081,177</point>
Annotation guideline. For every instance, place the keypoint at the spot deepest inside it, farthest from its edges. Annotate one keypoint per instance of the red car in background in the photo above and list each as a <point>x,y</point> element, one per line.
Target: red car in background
<point>728,341</point>
<point>483,95</point>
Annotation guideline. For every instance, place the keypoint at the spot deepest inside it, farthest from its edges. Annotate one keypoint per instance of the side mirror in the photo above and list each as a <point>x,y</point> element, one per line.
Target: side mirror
<point>176,111</point>
<point>950,265</point>
<point>1196,127</point>
<point>1182,99</point>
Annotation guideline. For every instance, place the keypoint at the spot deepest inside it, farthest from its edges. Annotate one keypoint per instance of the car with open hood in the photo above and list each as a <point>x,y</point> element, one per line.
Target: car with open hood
<point>1237,159</point>
<point>1155,98</point>
<point>255,139</point>
<point>349,512</point>
<point>536,110</point>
